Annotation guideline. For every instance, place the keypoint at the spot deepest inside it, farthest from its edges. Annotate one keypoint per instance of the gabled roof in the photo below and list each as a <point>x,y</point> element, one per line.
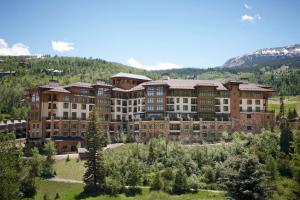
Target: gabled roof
<point>133,76</point>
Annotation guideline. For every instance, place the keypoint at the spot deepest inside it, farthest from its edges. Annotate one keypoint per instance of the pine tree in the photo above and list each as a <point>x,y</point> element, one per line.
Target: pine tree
<point>286,137</point>
<point>180,183</point>
<point>94,176</point>
<point>151,154</point>
<point>281,109</point>
<point>295,114</point>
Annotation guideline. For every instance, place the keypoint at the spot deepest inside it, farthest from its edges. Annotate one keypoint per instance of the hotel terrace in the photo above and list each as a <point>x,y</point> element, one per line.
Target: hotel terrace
<point>184,110</point>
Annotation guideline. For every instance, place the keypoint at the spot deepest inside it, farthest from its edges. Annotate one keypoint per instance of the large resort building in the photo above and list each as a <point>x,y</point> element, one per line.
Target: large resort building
<point>183,110</point>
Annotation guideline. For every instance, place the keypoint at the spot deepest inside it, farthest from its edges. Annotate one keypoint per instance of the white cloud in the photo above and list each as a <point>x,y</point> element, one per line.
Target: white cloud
<point>250,18</point>
<point>62,46</point>
<point>17,49</point>
<point>247,18</point>
<point>248,7</point>
<point>161,66</point>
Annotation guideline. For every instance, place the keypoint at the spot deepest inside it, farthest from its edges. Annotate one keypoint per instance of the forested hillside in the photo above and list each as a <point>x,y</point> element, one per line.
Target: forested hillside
<point>32,71</point>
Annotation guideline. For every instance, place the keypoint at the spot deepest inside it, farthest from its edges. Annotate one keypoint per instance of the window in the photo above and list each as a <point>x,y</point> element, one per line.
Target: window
<point>225,108</point>
<point>159,100</point>
<point>178,107</point>
<point>185,100</point>
<point>118,109</point>
<point>249,128</point>
<point>74,115</point>
<point>150,91</point>
<point>249,116</point>
<point>160,91</point>
<point>185,108</point>
<point>66,105</point>
<point>193,101</point>
<point>186,126</point>
<point>74,126</point>
<point>100,92</point>
<point>241,101</point>
<point>91,107</point>
<point>83,106</point>
<point>174,126</point>
<point>150,107</point>
<point>66,98</point>
<point>249,101</point>
<point>150,100</point>
<point>159,107</point>
<point>74,106</point>
<point>257,109</point>
<point>65,126</point>
<point>257,102</point>
<point>249,109</point>
<point>193,108</point>
<point>84,92</point>
<point>118,102</point>
<point>177,100</point>
<point>225,101</point>
<point>161,126</point>
<point>83,116</point>
<point>65,115</point>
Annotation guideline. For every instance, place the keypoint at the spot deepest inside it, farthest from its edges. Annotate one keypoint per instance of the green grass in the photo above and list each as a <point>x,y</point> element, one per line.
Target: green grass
<point>291,103</point>
<point>69,170</point>
<point>70,191</point>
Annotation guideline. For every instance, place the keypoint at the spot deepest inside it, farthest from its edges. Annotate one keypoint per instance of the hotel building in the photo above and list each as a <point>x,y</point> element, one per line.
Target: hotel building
<point>183,110</point>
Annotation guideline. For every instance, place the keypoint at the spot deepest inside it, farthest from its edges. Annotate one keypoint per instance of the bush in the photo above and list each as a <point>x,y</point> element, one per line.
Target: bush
<point>157,183</point>
<point>68,158</point>
<point>113,186</point>
<point>180,183</point>
<point>192,183</point>
<point>132,191</point>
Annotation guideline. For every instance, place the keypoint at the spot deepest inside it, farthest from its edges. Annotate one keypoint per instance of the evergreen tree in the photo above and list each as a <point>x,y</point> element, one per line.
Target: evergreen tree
<point>94,176</point>
<point>281,109</point>
<point>50,151</point>
<point>245,182</point>
<point>10,168</point>
<point>180,183</point>
<point>151,154</point>
<point>290,114</point>
<point>295,114</point>
<point>286,137</point>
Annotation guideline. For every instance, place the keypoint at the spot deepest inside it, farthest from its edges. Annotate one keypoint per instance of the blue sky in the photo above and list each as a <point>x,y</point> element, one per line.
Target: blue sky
<point>148,34</point>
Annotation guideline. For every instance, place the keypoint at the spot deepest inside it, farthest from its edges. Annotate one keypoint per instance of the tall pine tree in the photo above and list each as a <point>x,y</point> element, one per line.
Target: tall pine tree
<point>94,177</point>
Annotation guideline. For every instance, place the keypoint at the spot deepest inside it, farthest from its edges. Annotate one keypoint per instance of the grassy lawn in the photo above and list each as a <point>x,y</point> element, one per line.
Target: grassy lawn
<point>70,191</point>
<point>69,170</point>
<point>291,102</point>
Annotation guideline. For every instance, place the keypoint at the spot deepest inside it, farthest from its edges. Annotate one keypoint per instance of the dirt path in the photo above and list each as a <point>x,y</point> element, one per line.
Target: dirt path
<point>75,155</point>
<point>63,180</point>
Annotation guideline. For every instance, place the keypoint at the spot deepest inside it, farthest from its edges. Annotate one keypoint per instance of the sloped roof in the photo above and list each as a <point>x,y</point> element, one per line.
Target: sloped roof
<point>187,84</point>
<point>254,87</point>
<point>79,84</point>
<point>101,83</point>
<point>133,76</point>
<point>59,89</point>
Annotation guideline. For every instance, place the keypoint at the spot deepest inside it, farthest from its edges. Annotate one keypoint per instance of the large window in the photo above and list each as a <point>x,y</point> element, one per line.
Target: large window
<point>150,107</point>
<point>185,100</point>
<point>160,91</point>
<point>84,92</point>
<point>100,92</point>
<point>150,100</point>
<point>225,101</point>
<point>35,100</point>
<point>160,100</point>
<point>66,98</point>
<point>185,108</point>
<point>257,102</point>
<point>159,107</point>
<point>150,91</point>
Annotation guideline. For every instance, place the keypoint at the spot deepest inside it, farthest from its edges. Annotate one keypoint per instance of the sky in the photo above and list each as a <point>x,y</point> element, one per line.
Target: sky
<point>153,34</point>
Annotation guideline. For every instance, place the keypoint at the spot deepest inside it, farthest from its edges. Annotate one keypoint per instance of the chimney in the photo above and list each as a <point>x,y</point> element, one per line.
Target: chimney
<point>53,83</point>
<point>165,78</point>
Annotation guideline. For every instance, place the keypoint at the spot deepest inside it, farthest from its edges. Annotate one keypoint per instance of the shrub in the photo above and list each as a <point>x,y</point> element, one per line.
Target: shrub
<point>157,183</point>
<point>68,158</point>
<point>113,186</point>
<point>132,191</point>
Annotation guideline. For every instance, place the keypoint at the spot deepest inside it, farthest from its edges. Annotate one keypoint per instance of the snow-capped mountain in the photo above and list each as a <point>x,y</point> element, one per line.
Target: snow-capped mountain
<point>278,55</point>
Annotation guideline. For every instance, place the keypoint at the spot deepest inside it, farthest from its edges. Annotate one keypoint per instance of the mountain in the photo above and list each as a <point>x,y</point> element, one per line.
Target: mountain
<point>271,56</point>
